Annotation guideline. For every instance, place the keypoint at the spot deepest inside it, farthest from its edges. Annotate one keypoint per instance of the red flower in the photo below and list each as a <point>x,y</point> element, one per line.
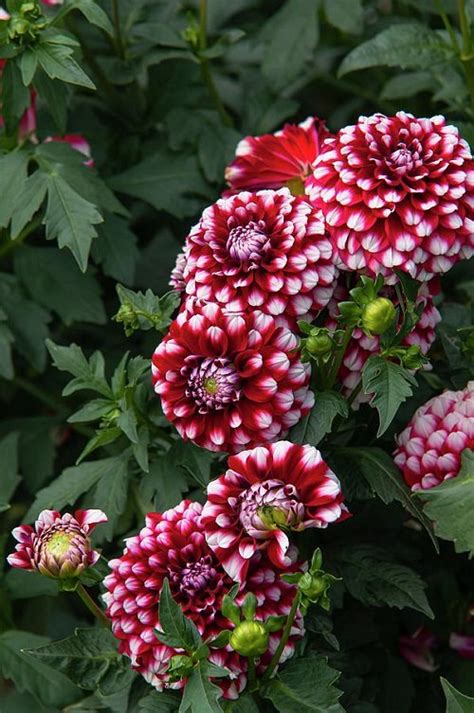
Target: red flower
<point>362,346</point>
<point>463,644</point>
<point>230,381</point>
<point>430,448</point>
<point>418,649</point>
<point>277,160</point>
<point>172,545</point>
<point>177,273</point>
<point>58,546</point>
<point>397,192</point>
<point>265,492</point>
<point>265,250</point>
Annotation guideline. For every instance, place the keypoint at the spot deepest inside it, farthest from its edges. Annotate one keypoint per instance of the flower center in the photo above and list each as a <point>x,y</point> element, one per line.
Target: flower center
<point>212,383</point>
<point>197,576</point>
<point>247,243</point>
<point>270,505</point>
<point>59,544</point>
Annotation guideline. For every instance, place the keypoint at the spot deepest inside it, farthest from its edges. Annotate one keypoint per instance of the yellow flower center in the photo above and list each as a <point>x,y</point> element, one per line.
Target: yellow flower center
<point>59,544</point>
<point>211,385</point>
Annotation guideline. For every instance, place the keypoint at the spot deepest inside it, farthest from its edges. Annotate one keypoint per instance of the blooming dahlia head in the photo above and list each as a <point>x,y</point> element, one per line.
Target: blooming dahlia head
<point>397,192</point>
<point>230,381</point>
<point>277,160</point>
<point>177,273</point>
<point>362,346</point>
<point>430,448</point>
<point>266,492</point>
<point>58,545</point>
<point>265,250</point>
<point>172,545</point>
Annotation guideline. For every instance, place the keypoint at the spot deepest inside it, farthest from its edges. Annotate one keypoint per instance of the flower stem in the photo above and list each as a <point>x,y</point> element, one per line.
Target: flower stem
<point>119,44</point>
<point>466,55</point>
<point>205,69</point>
<point>339,357</point>
<point>92,606</point>
<point>448,26</point>
<point>252,675</point>
<point>284,638</point>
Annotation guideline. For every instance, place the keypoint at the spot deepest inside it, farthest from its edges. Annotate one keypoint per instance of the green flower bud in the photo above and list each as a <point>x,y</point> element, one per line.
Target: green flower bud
<point>250,638</point>
<point>19,27</point>
<point>319,344</point>
<point>313,585</point>
<point>180,667</point>
<point>378,315</point>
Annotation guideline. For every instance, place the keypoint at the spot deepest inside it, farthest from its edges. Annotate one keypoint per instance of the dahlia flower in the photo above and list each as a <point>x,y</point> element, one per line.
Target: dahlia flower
<point>177,273</point>
<point>77,142</point>
<point>277,160</point>
<point>418,649</point>
<point>58,546</point>
<point>172,545</point>
<point>230,381</point>
<point>430,448</point>
<point>362,346</point>
<point>397,192</point>
<point>265,250</point>
<point>266,492</point>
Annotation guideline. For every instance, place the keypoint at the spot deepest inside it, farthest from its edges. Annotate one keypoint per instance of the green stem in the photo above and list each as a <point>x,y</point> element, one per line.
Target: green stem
<point>205,69</point>
<point>339,357</point>
<point>13,244</point>
<point>92,606</point>
<point>119,43</point>
<point>448,26</point>
<point>464,25</point>
<point>252,675</point>
<point>466,56</point>
<point>284,638</point>
<point>354,393</point>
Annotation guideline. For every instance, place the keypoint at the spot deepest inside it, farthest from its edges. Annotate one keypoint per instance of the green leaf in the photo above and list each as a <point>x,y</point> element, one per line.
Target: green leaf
<point>165,702</point>
<point>451,504</point>
<point>111,497</point>
<point>200,695</point>
<point>15,96</point>
<point>166,181</point>
<point>103,437</point>
<point>165,482</point>
<point>70,219</point>
<point>54,280</point>
<point>58,63</point>
<point>407,85</point>
<point>244,704</point>
<point>21,584</point>
<point>176,630</point>
<point>49,687</point>
<point>216,149</point>
<point>13,174</point>
<point>456,702</point>
<point>292,34</point>
<point>92,411</point>
<point>28,201</point>
<point>89,659</point>
<point>385,480</point>
<point>346,15</point>
<point>318,422</point>
<point>116,249</point>
<point>28,64</point>
<point>89,374</point>
<point>6,341</point>
<point>55,94</point>
<point>372,576</point>
<point>305,685</point>
<point>145,310</point>
<point>93,13</point>
<point>407,45</point>
<point>390,385</point>
<point>71,484</point>
<point>9,460</point>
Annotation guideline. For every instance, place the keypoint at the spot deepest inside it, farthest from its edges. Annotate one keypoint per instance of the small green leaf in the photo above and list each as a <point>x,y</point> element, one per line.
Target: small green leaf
<point>88,373</point>
<point>390,385</point>
<point>28,62</point>
<point>346,15</point>
<point>318,422</point>
<point>456,702</point>
<point>57,62</point>
<point>451,504</point>
<point>200,695</point>
<point>176,630</point>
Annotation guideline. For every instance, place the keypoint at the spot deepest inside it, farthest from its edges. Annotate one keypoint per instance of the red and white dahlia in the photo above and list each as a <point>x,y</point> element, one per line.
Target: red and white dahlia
<point>265,250</point>
<point>430,448</point>
<point>397,192</point>
<point>177,273</point>
<point>172,545</point>
<point>277,160</point>
<point>266,492</point>
<point>230,381</point>
<point>363,346</point>
<point>58,546</point>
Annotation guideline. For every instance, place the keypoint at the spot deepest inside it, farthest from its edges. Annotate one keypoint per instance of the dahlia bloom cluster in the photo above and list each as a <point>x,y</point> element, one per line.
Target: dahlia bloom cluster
<point>429,449</point>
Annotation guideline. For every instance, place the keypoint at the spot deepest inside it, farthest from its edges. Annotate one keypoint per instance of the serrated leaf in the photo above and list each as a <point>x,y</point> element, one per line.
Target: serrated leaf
<point>13,174</point>
<point>28,201</point>
<point>15,96</point>
<point>176,629</point>
<point>55,94</point>
<point>406,45</point>
<point>111,497</point>
<point>58,63</point>
<point>346,15</point>
<point>318,422</point>
<point>166,181</point>
<point>92,411</point>
<point>116,249</point>
<point>372,576</point>
<point>54,280</point>
<point>305,686</point>
<point>456,702</point>
<point>70,219</point>
<point>165,483</point>
<point>390,385</point>
<point>89,374</point>
<point>103,437</point>
<point>200,695</point>
<point>71,484</point>
<point>93,13</point>
<point>89,658</point>
<point>451,504</point>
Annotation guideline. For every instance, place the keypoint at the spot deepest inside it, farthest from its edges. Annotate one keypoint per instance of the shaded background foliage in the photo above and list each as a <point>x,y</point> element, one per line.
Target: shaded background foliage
<point>171,103</point>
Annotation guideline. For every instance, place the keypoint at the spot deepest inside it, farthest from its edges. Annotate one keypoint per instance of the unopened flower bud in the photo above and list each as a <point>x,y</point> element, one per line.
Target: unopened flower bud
<point>250,638</point>
<point>18,27</point>
<point>319,344</point>
<point>180,667</point>
<point>378,315</point>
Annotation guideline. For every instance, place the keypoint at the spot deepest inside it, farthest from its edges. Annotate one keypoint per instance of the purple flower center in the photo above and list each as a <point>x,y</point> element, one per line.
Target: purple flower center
<point>197,576</point>
<point>404,159</point>
<point>247,243</point>
<point>270,505</point>
<point>213,383</point>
